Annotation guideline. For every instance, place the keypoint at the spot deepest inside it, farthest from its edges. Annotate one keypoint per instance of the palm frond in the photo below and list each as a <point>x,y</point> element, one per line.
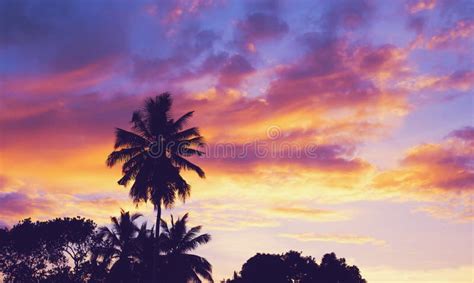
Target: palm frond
<point>184,151</point>
<point>181,122</point>
<point>200,265</point>
<point>196,141</point>
<point>157,113</point>
<point>125,138</point>
<point>139,124</point>
<point>195,242</point>
<point>135,216</point>
<point>188,165</point>
<point>186,134</point>
<point>126,178</point>
<point>192,233</point>
<point>123,155</point>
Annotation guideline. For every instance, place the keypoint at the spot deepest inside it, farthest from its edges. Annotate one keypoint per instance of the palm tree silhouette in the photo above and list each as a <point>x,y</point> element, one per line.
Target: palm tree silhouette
<point>122,248</point>
<point>153,154</point>
<point>176,243</point>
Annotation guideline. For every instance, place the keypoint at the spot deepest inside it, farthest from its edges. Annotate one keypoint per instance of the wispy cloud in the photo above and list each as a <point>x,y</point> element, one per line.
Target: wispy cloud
<point>336,238</point>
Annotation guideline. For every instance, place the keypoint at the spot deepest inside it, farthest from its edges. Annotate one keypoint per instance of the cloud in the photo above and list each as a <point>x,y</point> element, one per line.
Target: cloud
<point>61,35</point>
<point>466,134</point>
<point>448,211</point>
<point>242,213</point>
<point>452,273</point>
<point>311,214</point>
<point>20,200</point>
<point>384,61</point>
<point>433,167</point>
<point>236,69</point>
<point>258,27</point>
<point>347,15</point>
<point>331,78</point>
<point>16,204</point>
<point>318,157</point>
<point>420,5</point>
<point>336,238</point>
<point>174,63</point>
<point>461,80</point>
<point>77,120</point>
<point>79,79</point>
<point>436,173</point>
<point>214,214</point>
<point>417,24</point>
<point>447,87</point>
<point>175,11</point>
<point>463,29</point>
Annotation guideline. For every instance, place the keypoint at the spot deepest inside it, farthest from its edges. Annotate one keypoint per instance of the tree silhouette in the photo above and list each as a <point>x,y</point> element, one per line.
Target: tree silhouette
<point>302,269</point>
<point>132,251</point>
<point>334,270</point>
<point>122,249</point>
<point>177,241</point>
<point>33,251</point>
<point>153,153</point>
<point>293,267</point>
<point>265,268</point>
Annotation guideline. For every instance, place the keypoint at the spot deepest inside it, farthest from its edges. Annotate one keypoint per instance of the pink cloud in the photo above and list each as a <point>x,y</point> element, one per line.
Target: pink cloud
<point>463,29</point>
<point>420,5</point>
<point>19,205</point>
<point>465,134</point>
<point>69,81</point>
<point>348,15</point>
<point>234,71</point>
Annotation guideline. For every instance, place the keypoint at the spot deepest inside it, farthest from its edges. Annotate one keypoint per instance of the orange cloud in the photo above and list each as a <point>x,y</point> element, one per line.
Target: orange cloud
<point>384,62</point>
<point>336,238</point>
<point>440,173</point>
<point>449,211</point>
<point>320,215</point>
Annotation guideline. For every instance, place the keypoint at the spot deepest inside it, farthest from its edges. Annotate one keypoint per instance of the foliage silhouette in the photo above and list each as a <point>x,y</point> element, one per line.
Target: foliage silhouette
<point>39,251</point>
<point>293,267</point>
<point>153,153</point>
<point>177,241</point>
<point>74,250</point>
<point>122,248</point>
<point>133,250</point>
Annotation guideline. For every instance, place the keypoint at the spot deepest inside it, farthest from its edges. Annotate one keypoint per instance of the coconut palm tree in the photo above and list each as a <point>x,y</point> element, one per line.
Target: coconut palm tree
<point>122,247</point>
<point>176,243</point>
<point>145,254</point>
<point>153,153</point>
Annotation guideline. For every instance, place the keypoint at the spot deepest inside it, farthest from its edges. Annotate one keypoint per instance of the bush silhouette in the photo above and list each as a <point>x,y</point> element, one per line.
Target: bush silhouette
<point>293,267</point>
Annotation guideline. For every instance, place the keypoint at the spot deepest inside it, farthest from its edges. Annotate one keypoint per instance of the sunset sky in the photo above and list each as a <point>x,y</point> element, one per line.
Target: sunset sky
<point>381,92</point>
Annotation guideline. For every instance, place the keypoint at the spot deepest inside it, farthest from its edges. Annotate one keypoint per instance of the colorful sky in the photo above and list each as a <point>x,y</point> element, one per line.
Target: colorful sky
<point>380,90</point>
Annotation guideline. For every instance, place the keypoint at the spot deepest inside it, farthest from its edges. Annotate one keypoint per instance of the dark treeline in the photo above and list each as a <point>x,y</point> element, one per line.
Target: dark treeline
<point>76,250</point>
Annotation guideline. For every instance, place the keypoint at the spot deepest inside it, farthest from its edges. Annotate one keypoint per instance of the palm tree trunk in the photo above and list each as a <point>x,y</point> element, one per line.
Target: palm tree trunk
<point>156,246</point>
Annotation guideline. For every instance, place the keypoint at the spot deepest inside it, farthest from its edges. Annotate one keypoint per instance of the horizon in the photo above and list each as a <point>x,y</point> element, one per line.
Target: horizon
<point>342,126</point>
